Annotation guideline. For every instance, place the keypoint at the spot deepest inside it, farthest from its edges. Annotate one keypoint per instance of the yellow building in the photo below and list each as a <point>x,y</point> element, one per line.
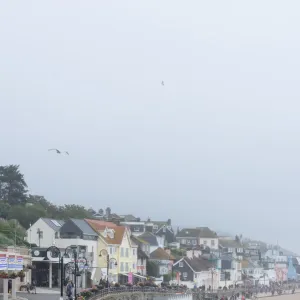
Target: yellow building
<point>115,247</point>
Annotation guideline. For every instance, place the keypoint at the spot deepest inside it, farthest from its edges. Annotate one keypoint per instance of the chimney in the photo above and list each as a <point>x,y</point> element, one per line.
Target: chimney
<point>108,212</point>
<point>189,254</point>
<point>169,222</point>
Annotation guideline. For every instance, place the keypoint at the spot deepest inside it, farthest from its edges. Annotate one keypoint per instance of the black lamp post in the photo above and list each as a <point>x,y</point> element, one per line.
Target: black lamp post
<point>55,252</point>
<point>108,260</point>
<point>76,269</point>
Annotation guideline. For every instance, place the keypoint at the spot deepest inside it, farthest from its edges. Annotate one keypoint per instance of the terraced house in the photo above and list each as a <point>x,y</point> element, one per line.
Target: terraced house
<point>199,236</point>
<point>115,242</point>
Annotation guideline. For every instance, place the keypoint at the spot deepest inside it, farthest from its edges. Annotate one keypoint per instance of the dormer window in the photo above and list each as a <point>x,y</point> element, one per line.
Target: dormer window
<point>111,234</point>
<point>105,233</point>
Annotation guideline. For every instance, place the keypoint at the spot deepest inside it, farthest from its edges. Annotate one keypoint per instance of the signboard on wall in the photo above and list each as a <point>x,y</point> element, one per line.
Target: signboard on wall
<point>3,262</point>
<point>130,278</point>
<point>19,263</point>
<point>11,262</point>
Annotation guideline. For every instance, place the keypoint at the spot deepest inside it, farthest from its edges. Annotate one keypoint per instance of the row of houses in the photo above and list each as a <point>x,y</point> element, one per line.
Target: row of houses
<point>192,256</point>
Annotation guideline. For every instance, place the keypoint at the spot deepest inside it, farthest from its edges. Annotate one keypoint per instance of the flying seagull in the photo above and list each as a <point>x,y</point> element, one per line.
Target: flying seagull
<point>162,83</point>
<point>57,151</point>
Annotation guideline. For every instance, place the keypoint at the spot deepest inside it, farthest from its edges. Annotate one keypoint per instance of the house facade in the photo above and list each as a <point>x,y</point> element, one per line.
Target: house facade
<point>115,240</point>
<point>44,232</point>
<point>195,270</point>
<point>232,247</point>
<point>200,236</point>
<point>143,255</point>
<point>164,261</point>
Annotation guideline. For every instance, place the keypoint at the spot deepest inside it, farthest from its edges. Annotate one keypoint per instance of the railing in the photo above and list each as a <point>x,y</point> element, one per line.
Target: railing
<point>131,290</point>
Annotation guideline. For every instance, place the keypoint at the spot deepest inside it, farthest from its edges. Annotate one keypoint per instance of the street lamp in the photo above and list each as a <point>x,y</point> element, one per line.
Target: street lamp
<point>72,250</point>
<point>55,252</point>
<point>104,253</point>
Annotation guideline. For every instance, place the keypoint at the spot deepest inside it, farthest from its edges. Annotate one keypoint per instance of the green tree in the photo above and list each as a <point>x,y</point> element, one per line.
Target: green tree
<point>152,268</point>
<point>11,233</point>
<point>52,210</point>
<point>73,211</point>
<point>4,209</point>
<point>13,187</point>
<point>28,214</point>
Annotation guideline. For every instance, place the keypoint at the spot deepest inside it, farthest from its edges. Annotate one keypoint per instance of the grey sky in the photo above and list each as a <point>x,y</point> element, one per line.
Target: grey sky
<point>218,145</point>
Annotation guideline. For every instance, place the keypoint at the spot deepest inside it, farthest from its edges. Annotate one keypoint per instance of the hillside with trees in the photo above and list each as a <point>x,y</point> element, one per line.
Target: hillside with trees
<point>19,209</point>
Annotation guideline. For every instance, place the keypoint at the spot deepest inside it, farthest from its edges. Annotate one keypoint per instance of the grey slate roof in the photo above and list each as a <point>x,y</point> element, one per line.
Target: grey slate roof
<point>84,227</point>
<point>149,237</point>
<point>199,264</point>
<point>203,232</point>
<point>52,225</point>
<point>225,243</point>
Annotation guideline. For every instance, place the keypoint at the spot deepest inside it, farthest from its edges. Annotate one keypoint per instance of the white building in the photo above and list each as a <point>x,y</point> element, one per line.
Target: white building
<point>74,233</point>
<point>44,232</point>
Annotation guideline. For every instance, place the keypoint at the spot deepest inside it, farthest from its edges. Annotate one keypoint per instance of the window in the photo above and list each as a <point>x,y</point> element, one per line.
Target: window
<point>112,265</point>
<point>136,229</point>
<point>194,242</point>
<point>133,266</point>
<point>126,267</point>
<point>181,264</point>
<point>184,274</point>
<point>155,227</point>
<point>56,235</point>
<point>111,250</point>
<point>183,241</point>
<point>133,252</point>
<point>204,242</point>
<point>122,252</point>
<point>122,267</point>
<point>188,242</point>
<point>127,252</point>
<point>212,242</point>
<point>230,250</point>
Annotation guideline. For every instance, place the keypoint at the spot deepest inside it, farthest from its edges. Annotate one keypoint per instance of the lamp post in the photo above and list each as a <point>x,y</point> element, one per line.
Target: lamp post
<point>104,253</point>
<point>73,251</point>
<point>54,251</point>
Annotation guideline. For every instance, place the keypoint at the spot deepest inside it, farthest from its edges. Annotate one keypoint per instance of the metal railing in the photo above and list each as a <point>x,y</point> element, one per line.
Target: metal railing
<point>131,290</point>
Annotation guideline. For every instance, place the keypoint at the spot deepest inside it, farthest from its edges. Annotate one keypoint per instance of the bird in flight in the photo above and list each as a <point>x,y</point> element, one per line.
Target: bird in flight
<point>58,151</point>
<point>162,83</point>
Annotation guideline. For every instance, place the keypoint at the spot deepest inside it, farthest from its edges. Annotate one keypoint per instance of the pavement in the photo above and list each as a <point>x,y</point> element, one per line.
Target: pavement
<point>38,296</point>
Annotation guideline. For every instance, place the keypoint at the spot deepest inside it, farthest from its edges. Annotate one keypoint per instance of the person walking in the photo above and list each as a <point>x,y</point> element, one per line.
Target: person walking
<point>69,290</point>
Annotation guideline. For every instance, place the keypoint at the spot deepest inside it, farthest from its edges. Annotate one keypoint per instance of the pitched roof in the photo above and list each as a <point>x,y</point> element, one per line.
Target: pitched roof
<point>202,232</point>
<point>138,240</point>
<point>149,237</point>
<point>53,223</point>
<point>199,264</point>
<point>169,235</point>
<point>129,218</point>
<point>84,227</point>
<point>117,239</point>
<point>100,225</point>
<point>161,254</point>
<point>229,243</point>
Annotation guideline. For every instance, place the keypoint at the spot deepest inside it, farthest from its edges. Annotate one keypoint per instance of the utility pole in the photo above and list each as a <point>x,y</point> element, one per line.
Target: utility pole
<point>15,234</point>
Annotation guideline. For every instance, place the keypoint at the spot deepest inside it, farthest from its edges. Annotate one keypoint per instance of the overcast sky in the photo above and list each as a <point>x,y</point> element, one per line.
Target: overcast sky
<point>218,145</point>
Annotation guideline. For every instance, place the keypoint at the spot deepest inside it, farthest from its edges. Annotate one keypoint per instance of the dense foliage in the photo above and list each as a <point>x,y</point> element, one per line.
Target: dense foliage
<point>18,209</point>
